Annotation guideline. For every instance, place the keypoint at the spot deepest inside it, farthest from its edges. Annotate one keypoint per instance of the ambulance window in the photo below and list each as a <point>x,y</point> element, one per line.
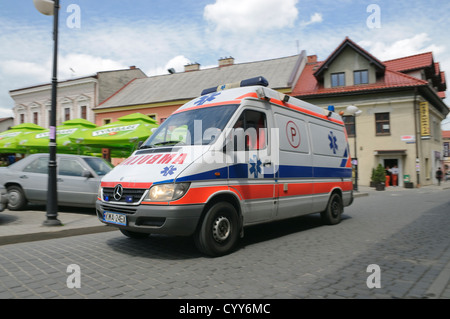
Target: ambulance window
<point>194,127</point>
<point>254,124</point>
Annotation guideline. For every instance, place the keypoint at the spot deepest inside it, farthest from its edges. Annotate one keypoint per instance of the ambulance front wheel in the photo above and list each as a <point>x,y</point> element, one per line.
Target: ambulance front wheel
<point>219,230</point>
<point>335,207</point>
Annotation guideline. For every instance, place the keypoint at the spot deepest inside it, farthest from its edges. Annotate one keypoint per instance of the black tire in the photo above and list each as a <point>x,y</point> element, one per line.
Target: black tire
<point>219,231</point>
<point>133,234</point>
<point>333,213</point>
<point>16,198</point>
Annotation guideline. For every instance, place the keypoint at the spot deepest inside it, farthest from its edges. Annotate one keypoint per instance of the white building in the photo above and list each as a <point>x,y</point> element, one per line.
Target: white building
<point>76,97</point>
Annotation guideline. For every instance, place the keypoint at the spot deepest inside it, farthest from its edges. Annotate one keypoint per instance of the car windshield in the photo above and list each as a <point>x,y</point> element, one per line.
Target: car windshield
<point>195,127</point>
<point>99,165</point>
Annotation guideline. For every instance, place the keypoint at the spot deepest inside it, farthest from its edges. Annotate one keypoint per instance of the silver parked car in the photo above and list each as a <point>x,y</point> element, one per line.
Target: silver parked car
<point>3,198</point>
<point>78,180</point>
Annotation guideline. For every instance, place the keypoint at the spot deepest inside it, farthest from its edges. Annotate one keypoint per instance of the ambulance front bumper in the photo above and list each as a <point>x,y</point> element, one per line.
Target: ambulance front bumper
<point>176,220</point>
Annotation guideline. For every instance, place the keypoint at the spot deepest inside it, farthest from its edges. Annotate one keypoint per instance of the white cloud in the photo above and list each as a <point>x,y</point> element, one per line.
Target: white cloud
<point>315,18</point>
<point>84,64</point>
<point>176,63</point>
<point>251,15</point>
<point>404,47</point>
<point>15,69</point>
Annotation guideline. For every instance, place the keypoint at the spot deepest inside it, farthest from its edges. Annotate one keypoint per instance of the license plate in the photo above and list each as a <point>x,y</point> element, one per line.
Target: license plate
<point>115,218</point>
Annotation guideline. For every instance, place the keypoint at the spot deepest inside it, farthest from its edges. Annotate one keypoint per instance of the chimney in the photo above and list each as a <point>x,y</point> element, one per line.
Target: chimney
<point>312,58</point>
<point>192,67</point>
<point>133,67</point>
<point>226,61</point>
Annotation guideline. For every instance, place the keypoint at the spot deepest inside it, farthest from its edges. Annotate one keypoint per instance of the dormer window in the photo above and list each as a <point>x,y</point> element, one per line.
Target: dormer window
<point>361,77</point>
<point>337,79</point>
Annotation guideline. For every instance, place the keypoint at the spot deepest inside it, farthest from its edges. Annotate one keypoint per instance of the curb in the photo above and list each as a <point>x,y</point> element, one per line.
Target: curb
<point>16,239</point>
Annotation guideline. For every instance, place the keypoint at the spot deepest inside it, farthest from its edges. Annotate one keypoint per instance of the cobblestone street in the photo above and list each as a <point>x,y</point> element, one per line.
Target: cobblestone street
<point>405,233</point>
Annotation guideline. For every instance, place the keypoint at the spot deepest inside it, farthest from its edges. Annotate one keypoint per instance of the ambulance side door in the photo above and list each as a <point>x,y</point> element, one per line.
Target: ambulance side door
<point>253,172</point>
<point>295,174</point>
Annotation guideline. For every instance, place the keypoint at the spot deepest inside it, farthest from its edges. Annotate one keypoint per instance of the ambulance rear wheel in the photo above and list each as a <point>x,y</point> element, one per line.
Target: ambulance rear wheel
<point>335,207</point>
<point>219,231</point>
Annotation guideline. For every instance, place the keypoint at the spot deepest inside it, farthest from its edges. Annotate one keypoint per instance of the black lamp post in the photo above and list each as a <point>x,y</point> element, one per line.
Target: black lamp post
<point>49,7</point>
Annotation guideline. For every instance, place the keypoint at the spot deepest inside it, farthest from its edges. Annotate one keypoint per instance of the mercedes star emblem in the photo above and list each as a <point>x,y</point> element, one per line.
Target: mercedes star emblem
<point>118,192</point>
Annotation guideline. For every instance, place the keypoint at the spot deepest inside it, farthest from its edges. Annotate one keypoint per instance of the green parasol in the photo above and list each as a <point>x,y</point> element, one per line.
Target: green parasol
<point>9,140</point>
<point>37,142</point>
<point>121,136</point>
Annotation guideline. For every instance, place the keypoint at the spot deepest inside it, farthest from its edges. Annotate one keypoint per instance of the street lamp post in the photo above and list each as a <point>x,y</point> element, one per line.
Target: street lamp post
<point>355,111</point>
<point>49,7</point>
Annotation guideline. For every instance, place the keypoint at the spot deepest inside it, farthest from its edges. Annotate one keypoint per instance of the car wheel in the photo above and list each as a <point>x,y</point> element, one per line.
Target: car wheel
<point>16,198</point>
<point>335,207</point>
<point>133,234</point>
<point>219,231</point>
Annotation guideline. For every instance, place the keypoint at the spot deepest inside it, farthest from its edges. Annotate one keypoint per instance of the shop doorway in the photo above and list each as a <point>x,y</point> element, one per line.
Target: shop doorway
<point>392,170</point>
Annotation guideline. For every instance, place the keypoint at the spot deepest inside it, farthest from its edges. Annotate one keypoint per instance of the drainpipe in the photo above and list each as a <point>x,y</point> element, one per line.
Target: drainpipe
<point>416,112</point>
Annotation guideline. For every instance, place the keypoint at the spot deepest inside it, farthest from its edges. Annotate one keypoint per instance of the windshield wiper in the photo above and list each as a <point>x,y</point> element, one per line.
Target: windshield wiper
<point>169,142</point>
<point>146,146</point>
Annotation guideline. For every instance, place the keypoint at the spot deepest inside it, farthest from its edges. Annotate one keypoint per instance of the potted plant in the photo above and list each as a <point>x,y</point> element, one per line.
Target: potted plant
<point>379,177</point>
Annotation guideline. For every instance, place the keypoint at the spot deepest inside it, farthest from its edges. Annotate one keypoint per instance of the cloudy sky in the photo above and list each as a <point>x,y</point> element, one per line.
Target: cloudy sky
<point>155,35</point>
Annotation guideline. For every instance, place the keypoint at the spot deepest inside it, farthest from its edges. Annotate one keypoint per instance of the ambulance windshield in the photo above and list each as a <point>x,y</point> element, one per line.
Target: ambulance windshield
<point>194,127</point>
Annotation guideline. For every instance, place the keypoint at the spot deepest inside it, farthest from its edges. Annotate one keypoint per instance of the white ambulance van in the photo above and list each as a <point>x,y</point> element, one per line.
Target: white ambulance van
<point>231,158</point>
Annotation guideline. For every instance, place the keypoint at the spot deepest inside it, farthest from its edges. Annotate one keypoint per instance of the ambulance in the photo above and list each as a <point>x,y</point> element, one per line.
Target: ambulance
<point>241,154</point>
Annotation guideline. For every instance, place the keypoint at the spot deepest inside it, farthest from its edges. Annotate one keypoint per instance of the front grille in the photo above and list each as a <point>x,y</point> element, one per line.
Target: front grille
<point>130,195</point>
<point>119,208</point>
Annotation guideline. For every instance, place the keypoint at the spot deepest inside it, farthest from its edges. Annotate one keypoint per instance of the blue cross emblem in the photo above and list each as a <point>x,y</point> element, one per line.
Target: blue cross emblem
<point>333,142</point>
<point>168,170</point>
<point>206,98</point>
<point>255,166</point>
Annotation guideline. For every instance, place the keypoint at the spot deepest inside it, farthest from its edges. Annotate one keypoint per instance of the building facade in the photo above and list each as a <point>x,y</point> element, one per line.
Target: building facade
<point>401,109</point>
<point>77,98</point>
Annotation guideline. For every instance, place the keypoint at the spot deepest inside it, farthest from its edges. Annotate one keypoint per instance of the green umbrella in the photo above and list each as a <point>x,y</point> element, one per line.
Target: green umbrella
<point>121,136</point>
<point>37,142</point>
<point>9,140</point>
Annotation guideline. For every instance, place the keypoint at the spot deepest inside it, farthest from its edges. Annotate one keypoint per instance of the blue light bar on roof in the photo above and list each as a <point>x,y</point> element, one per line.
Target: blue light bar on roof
<point>260,80</point>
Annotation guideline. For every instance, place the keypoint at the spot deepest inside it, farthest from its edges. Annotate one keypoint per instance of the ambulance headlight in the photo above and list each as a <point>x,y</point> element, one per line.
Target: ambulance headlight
<point>167,192</point>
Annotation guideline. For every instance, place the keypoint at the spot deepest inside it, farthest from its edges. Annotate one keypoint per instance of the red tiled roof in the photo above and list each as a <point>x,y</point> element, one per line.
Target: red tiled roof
<point>410,63</point>
<point>307,84</point>
<point>445,134</point>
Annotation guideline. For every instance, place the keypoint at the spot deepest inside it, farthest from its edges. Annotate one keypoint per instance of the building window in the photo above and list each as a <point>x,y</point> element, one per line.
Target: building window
<point>337,79</point>
<point>349,122</point>
<point>22,118</point>
<point>382,124</point>
<point>35,118</point>
<point>66,114</point>
<point>161,121</point>
<point>83,112</point>
<point>361,77</point>
<point>106,121</point>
